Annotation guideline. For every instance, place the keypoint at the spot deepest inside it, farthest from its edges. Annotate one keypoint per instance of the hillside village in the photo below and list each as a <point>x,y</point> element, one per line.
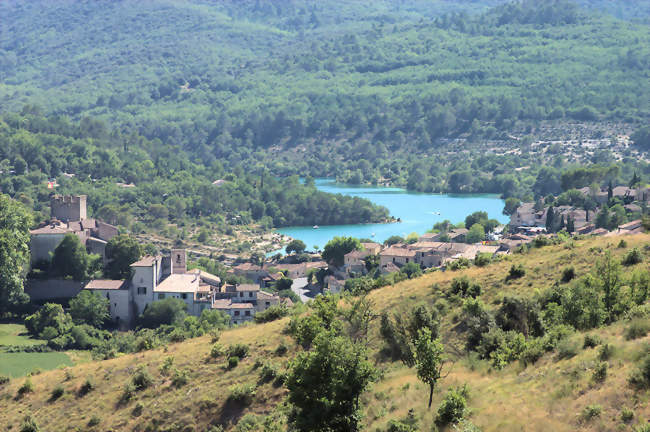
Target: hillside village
<point>160,276</point>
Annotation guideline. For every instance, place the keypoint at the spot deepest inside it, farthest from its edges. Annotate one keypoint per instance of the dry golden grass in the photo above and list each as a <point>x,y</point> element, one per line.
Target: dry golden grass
<point>547,396</point>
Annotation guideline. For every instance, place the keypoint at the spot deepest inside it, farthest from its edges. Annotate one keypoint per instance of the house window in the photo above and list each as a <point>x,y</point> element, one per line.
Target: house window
<point>236,313</point>
<point>241,294</point>
<point>393,259</point>
<point>247,313</point>
<point>161,296</point>
<point>142,290</point>
<point>184,295</point>
<point>407,260</point>
<point>250,294</point>
<point>178,259</point>
<point>268,304</point>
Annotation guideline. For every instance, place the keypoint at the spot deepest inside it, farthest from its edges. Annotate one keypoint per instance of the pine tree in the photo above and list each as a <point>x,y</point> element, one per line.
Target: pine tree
<point>570,225</point>
<point>550,219</point>
<point>610,191</point>
<point>635,181</point>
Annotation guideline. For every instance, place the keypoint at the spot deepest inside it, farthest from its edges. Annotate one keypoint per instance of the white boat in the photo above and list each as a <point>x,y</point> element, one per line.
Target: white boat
<point>316,227</point>
<point>373,234</point>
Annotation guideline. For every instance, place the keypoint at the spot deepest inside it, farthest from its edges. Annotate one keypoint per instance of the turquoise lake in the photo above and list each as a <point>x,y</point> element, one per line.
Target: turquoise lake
<point>417,211</point>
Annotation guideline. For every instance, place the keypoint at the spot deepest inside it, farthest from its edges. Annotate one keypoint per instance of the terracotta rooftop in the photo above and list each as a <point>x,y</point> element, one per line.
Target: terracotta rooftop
<point>247,287</point>
<point>106,284</point>
<point>397,251</point>
<point>179,283</point>
<point>49,229</point>
<point>146,261</point>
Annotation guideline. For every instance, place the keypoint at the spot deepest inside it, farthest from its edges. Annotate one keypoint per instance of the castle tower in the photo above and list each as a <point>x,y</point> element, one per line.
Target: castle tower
<point>179,261</point>
<point>68,208</point>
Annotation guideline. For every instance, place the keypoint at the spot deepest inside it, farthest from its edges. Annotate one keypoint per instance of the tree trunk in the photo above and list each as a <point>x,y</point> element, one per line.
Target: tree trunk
<point>430,395</point>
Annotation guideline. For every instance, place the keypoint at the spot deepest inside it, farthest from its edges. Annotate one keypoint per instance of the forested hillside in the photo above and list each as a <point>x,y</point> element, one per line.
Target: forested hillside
<point>144,185</point>
<point>222,79</point>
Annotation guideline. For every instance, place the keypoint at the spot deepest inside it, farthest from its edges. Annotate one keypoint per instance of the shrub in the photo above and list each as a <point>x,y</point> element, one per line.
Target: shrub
<point>622,244</point>
<point>233,362</point>
<point>282,349</point>
<point>638,328</point>
<point>568,274</point>
<point>166,367</point>
<point>633,257</point>
<point>516,272</point>
<point>27,387</point>
<point>128,393</point>
<point>567,349</point>
<point>534,351</point>
<point>464,287</point>
<point>272,313</point>
<point>141,379</point>
<point>640,378</point>
<point>268,372</point>
<point>137,410</point>
<point>57,392</point>
<point>605,352</point>
<point>215,335</point>
<point>600,372</point>
<point>591,341</point>
<point>409,423</point>
<point>238,350</point>
<point>241,393</point>
<point>94,421</point>
<point>627,415</point>
<point>482,259</point>
<point>591,411</point>
<point>179,378</point>
<point>86,387</point>
<point>29,425</point>
<point>459,264</point>
<point>216,351</point>
<point>4,379</point>
<point>452,408</point>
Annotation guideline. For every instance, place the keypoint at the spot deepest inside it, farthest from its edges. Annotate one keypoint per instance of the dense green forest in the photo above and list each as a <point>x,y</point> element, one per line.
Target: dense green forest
<point>408,93</point>
<point>170,187</point>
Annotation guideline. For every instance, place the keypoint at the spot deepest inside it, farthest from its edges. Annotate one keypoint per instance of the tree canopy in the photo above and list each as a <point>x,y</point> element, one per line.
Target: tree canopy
<point>15,221</point>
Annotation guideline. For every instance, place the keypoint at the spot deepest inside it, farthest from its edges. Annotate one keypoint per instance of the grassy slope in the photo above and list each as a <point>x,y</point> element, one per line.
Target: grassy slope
<point>547,396</point>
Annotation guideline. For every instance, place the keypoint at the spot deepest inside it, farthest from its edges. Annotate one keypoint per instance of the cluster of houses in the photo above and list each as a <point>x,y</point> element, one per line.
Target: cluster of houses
<point>529,219</point>
<point>159,277</point>
<point>153,277</point>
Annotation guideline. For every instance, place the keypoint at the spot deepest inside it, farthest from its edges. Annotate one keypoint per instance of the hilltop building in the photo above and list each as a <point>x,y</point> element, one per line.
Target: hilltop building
<point>69,215</point>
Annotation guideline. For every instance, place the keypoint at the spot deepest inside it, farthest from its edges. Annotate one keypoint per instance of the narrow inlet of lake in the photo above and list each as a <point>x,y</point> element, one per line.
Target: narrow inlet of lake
<point>417,211</point>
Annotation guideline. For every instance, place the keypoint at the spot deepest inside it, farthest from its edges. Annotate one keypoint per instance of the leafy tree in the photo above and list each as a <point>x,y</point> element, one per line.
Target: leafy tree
<point>297,246</point>
<point>476,234</point>
<point>338,247</point>
<point>49,321</point>
<point>641,137</point>
<point>608,271</point>
<point>89,308</point>
<point>476,218</point>
<point>511,206</point>
<point>70,259</point>
<point>394,239</point>
<point>429,359</point>
<point>122,251</point>
<point>15,221</point>
<point>326,383</point>
<point>412,270</point>
<point>167,311</point>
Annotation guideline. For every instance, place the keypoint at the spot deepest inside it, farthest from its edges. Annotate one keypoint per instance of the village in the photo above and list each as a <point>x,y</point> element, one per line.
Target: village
<point>260,281</point>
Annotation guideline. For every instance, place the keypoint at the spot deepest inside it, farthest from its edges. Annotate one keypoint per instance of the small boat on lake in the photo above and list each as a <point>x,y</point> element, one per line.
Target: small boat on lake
<point>316,227</point>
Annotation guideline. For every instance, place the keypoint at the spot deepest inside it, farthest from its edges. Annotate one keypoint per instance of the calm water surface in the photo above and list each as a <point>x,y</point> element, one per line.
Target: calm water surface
<point>418,212</point>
